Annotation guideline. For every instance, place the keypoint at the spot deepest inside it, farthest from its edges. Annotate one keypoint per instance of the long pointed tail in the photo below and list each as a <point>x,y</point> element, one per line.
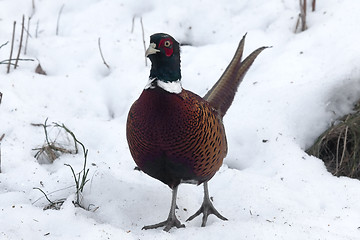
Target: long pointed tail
<point>222,94</point>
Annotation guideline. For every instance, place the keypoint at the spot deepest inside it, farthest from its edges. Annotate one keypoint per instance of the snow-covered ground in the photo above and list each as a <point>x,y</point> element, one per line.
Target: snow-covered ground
<point>268,187</point>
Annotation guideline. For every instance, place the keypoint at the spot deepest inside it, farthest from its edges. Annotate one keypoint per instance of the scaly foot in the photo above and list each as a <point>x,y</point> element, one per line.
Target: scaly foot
<point>206,208</point>
<point>168,224</point>
<point>171,221</point>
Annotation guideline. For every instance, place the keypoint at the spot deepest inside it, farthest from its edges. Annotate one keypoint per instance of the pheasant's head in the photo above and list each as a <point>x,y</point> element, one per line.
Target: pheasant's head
<point>164,54</point>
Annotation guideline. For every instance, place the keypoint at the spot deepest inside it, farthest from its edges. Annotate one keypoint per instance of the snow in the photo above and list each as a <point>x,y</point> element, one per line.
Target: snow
<point>268,187</point>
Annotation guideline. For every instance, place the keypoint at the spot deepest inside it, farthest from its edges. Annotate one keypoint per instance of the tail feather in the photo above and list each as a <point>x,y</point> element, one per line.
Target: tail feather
<point>222,94</point>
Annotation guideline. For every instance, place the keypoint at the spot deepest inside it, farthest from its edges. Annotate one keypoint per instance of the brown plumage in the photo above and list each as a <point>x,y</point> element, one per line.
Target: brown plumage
<point>222,94</point>
<point>175,135</point>
<point>185,129</point>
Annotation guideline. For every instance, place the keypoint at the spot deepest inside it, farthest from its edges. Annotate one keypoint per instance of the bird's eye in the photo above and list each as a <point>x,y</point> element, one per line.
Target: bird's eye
<point>167,43</point>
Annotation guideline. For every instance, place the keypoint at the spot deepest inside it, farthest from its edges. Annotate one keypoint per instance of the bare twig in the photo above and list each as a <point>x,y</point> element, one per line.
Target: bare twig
<point>337,154</point>
<point>44,195</point>
<point>52,205</point>
<point>27,35</point>
<point>133,24</point>
<point>37,29</point>
<point>58,19</point>
<point>0,103</point>
<point>143,37</point>
<point>7,61</point>
<point>12,47</point>
<point>33,8</point>
<point>1,138</point>
<point>21,39</point>
<point>344,146</point>
<point>81,178</point>
<point>51,150</point>
<point>36,124</point>
<point>302,16</point>
<point>4,44</point>
<point>102,56</point>
<point>313,5</point>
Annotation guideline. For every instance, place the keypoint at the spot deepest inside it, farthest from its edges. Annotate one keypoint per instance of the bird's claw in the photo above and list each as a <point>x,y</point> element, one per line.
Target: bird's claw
<point>168,224</point>
<point>206,209</point>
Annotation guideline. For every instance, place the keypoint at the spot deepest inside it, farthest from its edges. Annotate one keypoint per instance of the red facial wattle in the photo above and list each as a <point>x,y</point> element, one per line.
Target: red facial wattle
<point>167,45</point>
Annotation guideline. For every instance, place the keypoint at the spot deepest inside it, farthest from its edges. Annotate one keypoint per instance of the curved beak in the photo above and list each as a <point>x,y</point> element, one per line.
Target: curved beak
<point>151,49</point>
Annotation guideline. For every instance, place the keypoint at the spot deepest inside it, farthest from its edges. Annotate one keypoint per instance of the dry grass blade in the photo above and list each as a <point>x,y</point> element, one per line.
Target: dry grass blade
<point>55,205</point>
<point>302,17</point>
<point>58,19</point>
<point>143,38</point>
<point>20,44</point>
<point>4,44</point>
<point>27,35</point>
<point>102,56</point>
<point>313,5</point>
<point>339,146</point>
<point>1,138</point>
<point>12,47</point>
<point>51,150</point>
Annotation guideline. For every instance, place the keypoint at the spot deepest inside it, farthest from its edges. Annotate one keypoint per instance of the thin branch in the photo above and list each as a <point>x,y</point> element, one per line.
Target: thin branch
<point>37,29</point>
<point>33,8</point>
<point>302,17</point>
<point>344,146</point>
<point>27,35</point>
<point>0,103</point>
<point>303,14</point>
<point>58,20</point>
<point>102,56</point>
<point>21,39</point>
<point>143,37</point>
<point>50,193</point>
<point>12,47</point>
<point>337,153</point>
<point>7,61</point>
<point>46,133</point>
<point>133,24</point>
<point>73,135</point>
<point>44,195</point>
<point>1,138</point>
<point>4,44</point>
<point>313,5</point>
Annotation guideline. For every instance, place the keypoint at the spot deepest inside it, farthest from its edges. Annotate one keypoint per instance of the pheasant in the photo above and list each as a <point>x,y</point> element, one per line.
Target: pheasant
<point>175,135</point>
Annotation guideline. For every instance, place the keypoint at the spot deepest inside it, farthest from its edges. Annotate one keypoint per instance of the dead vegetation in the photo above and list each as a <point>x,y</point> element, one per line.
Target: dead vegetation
<point>2,136</point>
<point>9,62</point>
<point>301,24</point>
<point>57,142</point>
<point>101,54</point>
<point>53,149</point>
<point>339,146</point>
<point>142,33</point>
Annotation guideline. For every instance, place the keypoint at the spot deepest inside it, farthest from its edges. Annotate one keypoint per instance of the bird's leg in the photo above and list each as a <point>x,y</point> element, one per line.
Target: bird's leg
<point>172,220</point>
<point>206,208</point>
